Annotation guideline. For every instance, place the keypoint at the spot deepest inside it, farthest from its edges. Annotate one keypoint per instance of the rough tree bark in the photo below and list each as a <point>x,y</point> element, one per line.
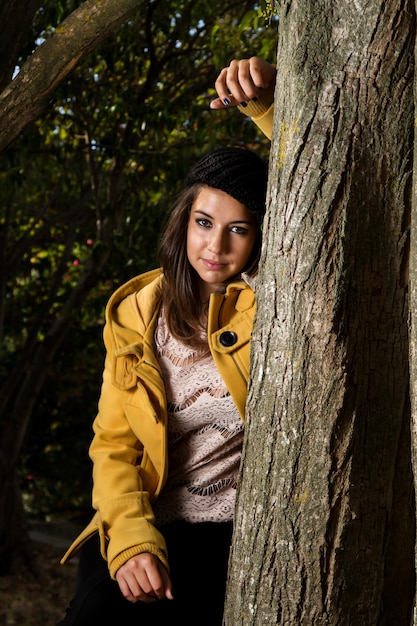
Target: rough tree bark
<point>324,530</point>
<point>27,96</point>
<point>413,310</point>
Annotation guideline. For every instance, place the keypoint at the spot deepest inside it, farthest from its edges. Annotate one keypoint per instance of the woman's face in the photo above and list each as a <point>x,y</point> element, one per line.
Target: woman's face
<point>220,238</point>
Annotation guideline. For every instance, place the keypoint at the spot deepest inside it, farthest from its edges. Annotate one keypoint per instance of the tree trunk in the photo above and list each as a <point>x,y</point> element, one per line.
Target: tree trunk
<point>413,312</point>
<point>324,530</point>
<point>16,554</point>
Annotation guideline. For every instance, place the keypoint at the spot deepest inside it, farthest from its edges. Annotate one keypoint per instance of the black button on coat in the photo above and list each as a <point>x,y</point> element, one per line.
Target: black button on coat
<point>228,338</point>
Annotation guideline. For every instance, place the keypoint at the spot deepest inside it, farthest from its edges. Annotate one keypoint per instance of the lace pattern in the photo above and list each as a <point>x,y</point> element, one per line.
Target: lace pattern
<point>205,434</point>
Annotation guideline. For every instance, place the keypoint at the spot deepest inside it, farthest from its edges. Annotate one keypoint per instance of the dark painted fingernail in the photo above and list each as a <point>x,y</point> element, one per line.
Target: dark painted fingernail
<point>226,101</point>
<point>243,104</point>
<point>255,99</point>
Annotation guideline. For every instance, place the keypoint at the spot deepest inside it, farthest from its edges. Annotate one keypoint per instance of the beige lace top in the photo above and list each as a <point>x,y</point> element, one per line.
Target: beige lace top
<point>205,434</point>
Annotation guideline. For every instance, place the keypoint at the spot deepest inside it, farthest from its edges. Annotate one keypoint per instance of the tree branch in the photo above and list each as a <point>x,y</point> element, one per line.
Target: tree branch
<point>27,96</point>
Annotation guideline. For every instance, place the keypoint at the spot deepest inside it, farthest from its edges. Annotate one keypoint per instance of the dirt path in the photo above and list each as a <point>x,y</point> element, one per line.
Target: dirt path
<point>25,601</point>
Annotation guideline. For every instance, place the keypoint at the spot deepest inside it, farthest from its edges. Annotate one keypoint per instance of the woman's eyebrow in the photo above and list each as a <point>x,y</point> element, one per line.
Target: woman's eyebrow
<point>211,217</point>
<point>203,213</point>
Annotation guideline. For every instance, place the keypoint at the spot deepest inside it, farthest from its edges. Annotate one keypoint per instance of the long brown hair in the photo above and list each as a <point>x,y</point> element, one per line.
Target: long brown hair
<point>181,298</point>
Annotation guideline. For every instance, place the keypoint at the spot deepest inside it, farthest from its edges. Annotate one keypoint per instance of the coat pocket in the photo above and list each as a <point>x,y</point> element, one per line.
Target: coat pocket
<point>124,376</point>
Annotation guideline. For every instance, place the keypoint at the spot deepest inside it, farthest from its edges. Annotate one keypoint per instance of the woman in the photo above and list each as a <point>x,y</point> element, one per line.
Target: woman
<point>168,434</point>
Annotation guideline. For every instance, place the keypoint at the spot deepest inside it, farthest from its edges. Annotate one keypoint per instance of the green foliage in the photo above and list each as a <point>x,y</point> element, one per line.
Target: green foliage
<point>83,194</point>
<point>268,10</point>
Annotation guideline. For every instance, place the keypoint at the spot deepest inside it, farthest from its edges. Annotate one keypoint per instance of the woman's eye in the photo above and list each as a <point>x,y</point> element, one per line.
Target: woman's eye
<point>239,230</point>
<point>203,222</point>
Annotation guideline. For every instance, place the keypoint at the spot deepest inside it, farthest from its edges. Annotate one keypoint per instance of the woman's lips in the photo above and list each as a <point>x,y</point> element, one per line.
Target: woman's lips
<point>213,265</point>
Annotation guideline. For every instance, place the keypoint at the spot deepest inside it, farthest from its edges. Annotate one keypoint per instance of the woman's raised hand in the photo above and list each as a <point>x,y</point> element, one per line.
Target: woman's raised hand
<point>242,81</point>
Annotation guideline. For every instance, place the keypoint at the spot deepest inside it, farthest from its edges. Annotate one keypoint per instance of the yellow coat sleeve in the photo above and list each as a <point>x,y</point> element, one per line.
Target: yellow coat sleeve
<point>118,493</point>
<point>123,486</point>
<point>262,110</point>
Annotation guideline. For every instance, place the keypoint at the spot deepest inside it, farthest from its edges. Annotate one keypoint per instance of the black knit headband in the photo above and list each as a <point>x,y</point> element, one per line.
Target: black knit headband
<point>239,172</point>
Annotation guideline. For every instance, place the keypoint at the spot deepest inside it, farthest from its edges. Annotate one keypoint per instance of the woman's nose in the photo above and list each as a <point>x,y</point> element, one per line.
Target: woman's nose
<point>217,242</point>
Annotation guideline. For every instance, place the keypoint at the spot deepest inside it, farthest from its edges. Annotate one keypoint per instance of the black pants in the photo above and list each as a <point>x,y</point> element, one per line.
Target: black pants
<point>198,556</point>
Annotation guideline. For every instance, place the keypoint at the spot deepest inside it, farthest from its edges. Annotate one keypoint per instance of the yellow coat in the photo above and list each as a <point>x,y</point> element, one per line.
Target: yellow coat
<point>129,448</point>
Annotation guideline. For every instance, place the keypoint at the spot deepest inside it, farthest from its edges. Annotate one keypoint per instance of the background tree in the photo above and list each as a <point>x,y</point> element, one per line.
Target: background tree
<point>83,192</point>
<point>24,99</point>
<point>325,526</point>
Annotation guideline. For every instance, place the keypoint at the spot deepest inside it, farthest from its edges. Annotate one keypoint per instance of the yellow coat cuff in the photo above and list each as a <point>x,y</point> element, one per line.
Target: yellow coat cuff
<point>262,110</point>
<point>124,556</point>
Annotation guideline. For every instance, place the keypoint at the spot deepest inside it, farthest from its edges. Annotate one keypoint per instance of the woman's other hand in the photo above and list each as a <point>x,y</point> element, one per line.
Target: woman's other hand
<point>144,578</point>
